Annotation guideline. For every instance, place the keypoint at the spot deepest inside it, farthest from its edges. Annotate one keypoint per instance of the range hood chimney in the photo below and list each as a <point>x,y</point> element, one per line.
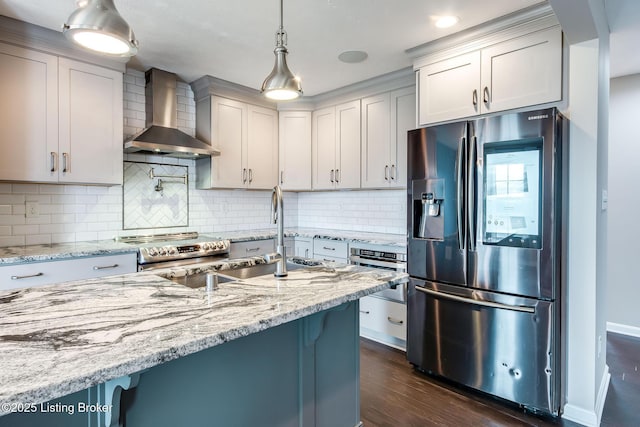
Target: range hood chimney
<point>161,136</point>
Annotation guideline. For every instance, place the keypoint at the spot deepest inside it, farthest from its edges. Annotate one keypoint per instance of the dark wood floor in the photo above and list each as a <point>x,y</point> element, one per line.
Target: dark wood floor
<point>393,394</point>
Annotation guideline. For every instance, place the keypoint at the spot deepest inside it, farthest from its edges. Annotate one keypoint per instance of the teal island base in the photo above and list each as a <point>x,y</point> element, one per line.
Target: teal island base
<point>303,373</point>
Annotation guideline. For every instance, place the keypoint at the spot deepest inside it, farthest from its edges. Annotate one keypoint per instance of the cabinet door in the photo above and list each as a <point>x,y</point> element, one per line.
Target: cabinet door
<point>295,150</point>
<point>304,247</point>
<point>262,147</point>
<point>523,71</point>
<point>376,141</point>
<point>323,141</point>
<point>28,115</point>
<point>90,123</point>
<point>403,119</point>
<point>448,89</point>
<point>347,174</point>
<point>228,130</point>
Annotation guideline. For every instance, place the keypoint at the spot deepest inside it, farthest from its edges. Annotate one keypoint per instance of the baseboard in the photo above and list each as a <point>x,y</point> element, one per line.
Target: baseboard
<point>619,328</point>
<point>387,340</point>
<point>590,418</point>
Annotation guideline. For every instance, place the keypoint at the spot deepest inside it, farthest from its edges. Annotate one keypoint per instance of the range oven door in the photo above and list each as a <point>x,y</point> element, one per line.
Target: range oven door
<point>496,343</point>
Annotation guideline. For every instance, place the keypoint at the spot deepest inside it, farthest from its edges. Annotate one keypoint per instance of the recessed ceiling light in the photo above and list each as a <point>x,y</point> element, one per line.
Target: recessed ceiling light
<point>353,56</point>
<point>445,21</point>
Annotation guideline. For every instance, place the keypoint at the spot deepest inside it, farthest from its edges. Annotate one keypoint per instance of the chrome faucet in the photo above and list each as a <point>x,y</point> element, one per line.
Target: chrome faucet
<point>277,216</point>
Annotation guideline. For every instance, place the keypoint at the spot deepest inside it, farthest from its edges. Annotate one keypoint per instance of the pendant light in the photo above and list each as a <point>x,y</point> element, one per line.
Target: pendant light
<point>281,84</point>
<point>97,25</point>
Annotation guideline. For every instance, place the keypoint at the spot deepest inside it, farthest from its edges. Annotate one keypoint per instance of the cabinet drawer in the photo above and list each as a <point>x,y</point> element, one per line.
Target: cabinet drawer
<point>50,272</point>
<point>330,248</point>
<point>330,258</point>
<point>383,316</point>
<point>251,248</point>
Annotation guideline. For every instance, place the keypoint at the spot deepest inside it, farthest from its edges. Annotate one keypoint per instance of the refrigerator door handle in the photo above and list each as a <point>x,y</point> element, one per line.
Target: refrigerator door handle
<point>520,308</point>
<point>471,193</point>
<point>460,190</point>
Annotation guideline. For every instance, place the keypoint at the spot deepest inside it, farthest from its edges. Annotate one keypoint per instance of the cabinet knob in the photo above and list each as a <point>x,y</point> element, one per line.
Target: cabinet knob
<point>250,175</point>
<point>54,161</point>
<point>244,175</point>
<point>331,174</point>
<point>474,98</point>
<point>66,163</point>
<point>485,95</point>
<point>393,172</point>
<point>394,321</point>
<point>337,175</point>
<point>386,172</point>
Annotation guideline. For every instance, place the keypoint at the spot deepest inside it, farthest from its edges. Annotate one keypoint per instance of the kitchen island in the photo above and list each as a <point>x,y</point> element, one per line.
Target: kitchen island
<point>259,351</point>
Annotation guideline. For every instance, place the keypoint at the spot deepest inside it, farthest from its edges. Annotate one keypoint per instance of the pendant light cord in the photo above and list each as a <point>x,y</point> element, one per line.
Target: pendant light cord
<point>281,34</point>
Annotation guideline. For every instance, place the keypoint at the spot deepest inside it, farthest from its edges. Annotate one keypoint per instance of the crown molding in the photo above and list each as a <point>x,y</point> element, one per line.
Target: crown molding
<point>34,37</point>
<point>207,86</point>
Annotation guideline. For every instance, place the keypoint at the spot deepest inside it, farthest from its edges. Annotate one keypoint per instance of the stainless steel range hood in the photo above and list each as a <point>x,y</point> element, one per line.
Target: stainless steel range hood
<point>162,136</point>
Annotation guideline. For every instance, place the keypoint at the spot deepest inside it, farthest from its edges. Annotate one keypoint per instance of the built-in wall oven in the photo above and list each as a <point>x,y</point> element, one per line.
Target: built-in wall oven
<point>384,257</point>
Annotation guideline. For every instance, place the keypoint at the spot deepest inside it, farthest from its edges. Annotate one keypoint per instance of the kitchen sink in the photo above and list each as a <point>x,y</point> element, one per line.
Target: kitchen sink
<point>258,270</point>
<point>199,280</point>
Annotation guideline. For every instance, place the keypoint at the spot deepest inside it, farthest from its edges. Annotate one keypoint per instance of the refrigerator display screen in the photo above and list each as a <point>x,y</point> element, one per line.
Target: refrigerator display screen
<point>512,193</point>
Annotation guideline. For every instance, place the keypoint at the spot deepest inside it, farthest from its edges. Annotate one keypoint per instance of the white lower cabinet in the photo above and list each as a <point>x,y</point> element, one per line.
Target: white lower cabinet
<point>50,272</point>
<point>383,321</point>
<point>251,248</point>
<point>331,250</point>
<point>304,247</point>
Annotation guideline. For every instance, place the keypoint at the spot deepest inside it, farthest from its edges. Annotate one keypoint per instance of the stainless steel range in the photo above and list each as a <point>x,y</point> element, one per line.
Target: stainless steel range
<point>174,250</point>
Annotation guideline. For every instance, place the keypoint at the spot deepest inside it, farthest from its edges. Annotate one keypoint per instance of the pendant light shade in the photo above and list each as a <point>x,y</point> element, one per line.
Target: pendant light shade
<point>281,84</point>
<point>97,25</point>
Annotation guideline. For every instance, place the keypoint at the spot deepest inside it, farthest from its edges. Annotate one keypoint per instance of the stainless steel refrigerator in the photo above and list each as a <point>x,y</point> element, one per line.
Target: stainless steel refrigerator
<point>485,245</point>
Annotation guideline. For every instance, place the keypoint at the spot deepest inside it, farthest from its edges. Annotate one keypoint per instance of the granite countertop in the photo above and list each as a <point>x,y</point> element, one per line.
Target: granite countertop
<point>321,233</point>
<point>59,339</point>
<point>36,253</point>
<point>39,253</point>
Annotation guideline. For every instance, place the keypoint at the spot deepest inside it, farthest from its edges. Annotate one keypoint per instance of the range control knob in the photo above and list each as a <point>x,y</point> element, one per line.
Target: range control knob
<point>205,246</point>
<point>172,250</point>
<point>219,245</point>
<point>152,251</point>
<point>162,251</point>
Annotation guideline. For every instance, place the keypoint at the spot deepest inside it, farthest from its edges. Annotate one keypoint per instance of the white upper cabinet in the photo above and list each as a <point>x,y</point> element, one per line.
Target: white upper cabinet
<point>449,89</point>
<point>295,150</point>
<point>518,72</point>
<point>90,126</point>
<point>523,71</point>
<point>347,173</point>
<point>28,115</point>
<point>60,120</point>
<point>336,147</point>
<point>386,118</point>
<point>247,137</point>
<point>262,148</point>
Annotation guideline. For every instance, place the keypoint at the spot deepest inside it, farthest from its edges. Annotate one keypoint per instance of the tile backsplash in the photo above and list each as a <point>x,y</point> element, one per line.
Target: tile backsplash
<point>69,213</point>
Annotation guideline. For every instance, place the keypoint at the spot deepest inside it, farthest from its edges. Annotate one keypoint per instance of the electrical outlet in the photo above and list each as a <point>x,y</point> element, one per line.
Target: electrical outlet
<point>32,209</point>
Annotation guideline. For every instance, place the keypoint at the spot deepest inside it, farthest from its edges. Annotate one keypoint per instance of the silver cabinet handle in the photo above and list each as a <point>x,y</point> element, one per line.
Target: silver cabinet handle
<point>281,177</point>
<point>244,175</point>
<point>253,249</point>
<point>474,98</point>
<point>66,162</point>
<point>54,161</point>
<point>104,267</point>
<point>332,180</point>
<point>27,276</point>
<point>386,172</point>
<point>394,321</point>
<point>485,95</point>
<point>393,172</point>
<point>250,175</point>
<point>520,308</point>
<point>328,248</point>
<point>337,175</point>
<point>365,311</point>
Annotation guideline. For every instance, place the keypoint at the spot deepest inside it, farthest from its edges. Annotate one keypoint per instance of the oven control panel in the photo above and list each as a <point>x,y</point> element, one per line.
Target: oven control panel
<point>175,252</point>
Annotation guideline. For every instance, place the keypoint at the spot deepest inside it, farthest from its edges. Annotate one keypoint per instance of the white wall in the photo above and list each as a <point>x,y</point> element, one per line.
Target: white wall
<point>623,292</point>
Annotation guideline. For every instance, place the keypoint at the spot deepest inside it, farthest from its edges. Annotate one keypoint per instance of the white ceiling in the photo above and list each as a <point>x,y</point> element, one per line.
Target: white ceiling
<point>234,40</point>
